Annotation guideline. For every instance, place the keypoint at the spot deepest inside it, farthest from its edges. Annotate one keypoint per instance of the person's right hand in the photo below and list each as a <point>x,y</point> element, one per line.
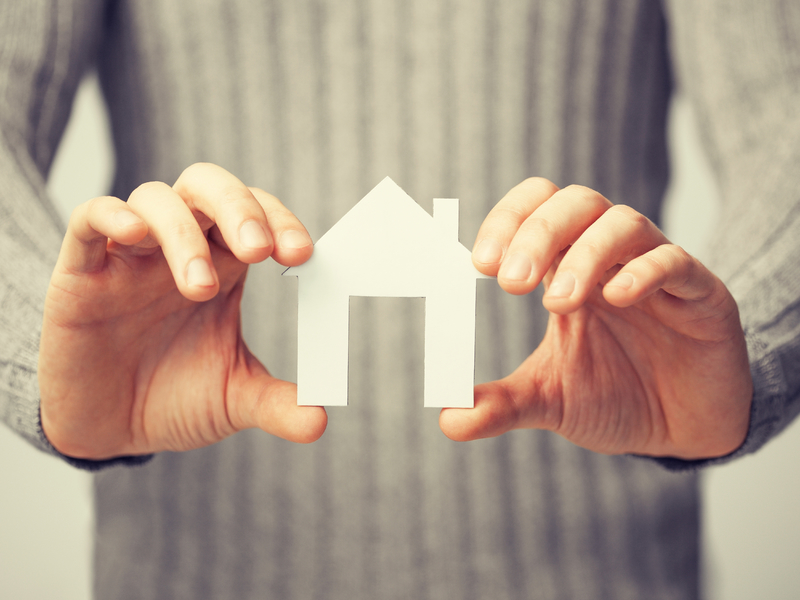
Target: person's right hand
<point>141,347</point>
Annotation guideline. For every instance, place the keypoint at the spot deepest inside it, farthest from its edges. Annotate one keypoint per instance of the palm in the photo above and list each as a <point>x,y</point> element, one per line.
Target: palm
<point>623,380</point>
<point>183,392</point>
<point>166,389</point>
<point>141,347</point>
<point>653,378</point>
<point>644,351</point>
<point>598,379</point>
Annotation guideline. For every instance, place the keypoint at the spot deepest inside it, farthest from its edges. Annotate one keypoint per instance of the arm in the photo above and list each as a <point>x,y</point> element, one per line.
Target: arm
<point>140,347</point>
<point>739,65</point>
<point>659,363</point>
<point>643,352</point>
<point>45,48</point>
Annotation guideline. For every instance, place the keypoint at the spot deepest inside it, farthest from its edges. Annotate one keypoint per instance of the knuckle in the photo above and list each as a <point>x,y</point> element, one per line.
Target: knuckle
<point>93,205</point>
<point>625,212</point>
<point>84,212</point>
<point>89,212</point>
<point>522,199</point>
<point>145,191</point>
<point>671,265</point>
<point>674,258</point>
<point>80,215</point>
<point>269,203</point>
<point>184,230</point>
<point>538,185</point>
<point>541,228</point>
<point>581,192</point>
<point>682,261</point>
<point>257,192</point>
<point>235,195</point>
<point>508,214</point>
<point>589,248</point>
<point>194,170</point>
<point>682,254</point>
<point>671,259</point>
<point>655,264</point>
<point>592,199</point>
<point>193,176</point>
<point>575,189</point>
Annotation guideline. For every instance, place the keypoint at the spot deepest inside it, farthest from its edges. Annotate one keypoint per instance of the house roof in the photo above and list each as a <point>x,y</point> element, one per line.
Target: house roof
<point>389,242</point>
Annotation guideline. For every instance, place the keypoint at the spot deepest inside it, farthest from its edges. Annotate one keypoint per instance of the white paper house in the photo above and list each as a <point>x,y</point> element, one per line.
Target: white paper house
<point>388,245</point>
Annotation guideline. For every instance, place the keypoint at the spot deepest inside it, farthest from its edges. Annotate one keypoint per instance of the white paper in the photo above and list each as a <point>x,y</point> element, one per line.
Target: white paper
<point>389,246</point>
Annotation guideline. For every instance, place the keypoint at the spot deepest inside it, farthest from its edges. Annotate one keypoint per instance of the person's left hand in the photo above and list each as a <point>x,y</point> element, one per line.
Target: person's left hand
<point>644,351</point>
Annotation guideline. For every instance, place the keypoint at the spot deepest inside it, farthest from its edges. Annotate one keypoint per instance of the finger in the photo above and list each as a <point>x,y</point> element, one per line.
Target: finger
<point>680,291</point>
<point>617,237</point>
<point>495,413</point>
<point>666,267</point>
<point>175,229</point>
<point>293,245</point>
<point>503,221</point>
<point>271,405</point>
<point>228,203</point>
<point>542,236</point>
<point>520,400</point>
<point>90,227</point>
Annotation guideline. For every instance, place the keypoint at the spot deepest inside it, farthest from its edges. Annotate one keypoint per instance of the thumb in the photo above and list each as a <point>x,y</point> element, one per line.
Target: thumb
<point>514,402</point>
<point>495,412</point>
<point>270,404</point>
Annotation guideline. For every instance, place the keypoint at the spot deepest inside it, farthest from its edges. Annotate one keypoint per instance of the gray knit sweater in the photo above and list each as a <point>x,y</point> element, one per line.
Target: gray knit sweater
<point>316,101</point>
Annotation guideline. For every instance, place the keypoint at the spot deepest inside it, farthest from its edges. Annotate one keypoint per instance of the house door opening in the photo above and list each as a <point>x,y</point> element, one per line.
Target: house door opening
<point>386,350</point>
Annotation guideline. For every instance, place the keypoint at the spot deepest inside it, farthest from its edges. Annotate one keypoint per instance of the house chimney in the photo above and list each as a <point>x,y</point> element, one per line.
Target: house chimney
<point>445,215</point>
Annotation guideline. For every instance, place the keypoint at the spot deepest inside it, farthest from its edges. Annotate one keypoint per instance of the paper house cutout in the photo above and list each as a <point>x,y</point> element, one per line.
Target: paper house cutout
<point>387,245</point>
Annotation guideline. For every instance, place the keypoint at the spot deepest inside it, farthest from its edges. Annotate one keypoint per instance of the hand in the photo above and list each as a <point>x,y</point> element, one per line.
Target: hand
<point>644,351</point>
<point>141,347</point>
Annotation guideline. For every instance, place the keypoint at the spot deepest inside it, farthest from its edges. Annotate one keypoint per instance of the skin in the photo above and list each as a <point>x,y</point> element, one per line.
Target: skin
<point>644,351</point>
<point>147,294</point>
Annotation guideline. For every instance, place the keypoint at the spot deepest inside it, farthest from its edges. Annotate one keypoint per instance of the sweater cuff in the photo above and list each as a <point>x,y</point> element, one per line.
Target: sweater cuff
<point>768,411</point>
<point>83,463</point>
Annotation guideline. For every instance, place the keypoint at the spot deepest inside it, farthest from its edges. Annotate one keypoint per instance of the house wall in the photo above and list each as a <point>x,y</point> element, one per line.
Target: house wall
<point>322,342</point>
<point>450,346</point>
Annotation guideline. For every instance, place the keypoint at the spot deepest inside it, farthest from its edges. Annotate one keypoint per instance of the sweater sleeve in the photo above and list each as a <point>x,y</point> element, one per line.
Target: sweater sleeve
<point>739,65</point>
<point>45,48</point>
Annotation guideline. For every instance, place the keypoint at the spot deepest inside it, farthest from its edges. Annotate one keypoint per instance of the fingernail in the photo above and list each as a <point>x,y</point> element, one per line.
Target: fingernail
<point>623,280</point>
<point>293,239</point>
<point>124,218</point>
<point>517,267</point>
<point>252,235</point>
<point>198,274</point>
<point>487,252</point>
<point>562,286</point>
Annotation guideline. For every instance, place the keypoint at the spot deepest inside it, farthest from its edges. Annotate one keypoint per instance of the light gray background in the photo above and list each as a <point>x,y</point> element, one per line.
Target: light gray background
<point>751,517</point>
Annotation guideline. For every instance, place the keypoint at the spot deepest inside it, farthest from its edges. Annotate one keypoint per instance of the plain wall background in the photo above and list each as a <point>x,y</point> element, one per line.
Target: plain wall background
<point>751,516</point>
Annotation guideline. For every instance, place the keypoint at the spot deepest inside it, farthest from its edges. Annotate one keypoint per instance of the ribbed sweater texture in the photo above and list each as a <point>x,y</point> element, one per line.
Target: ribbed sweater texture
<point>316,101</point>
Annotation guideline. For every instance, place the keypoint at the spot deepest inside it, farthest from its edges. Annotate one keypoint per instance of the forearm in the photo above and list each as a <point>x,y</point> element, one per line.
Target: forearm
<point>44,49</point>
<point>738,68</point>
